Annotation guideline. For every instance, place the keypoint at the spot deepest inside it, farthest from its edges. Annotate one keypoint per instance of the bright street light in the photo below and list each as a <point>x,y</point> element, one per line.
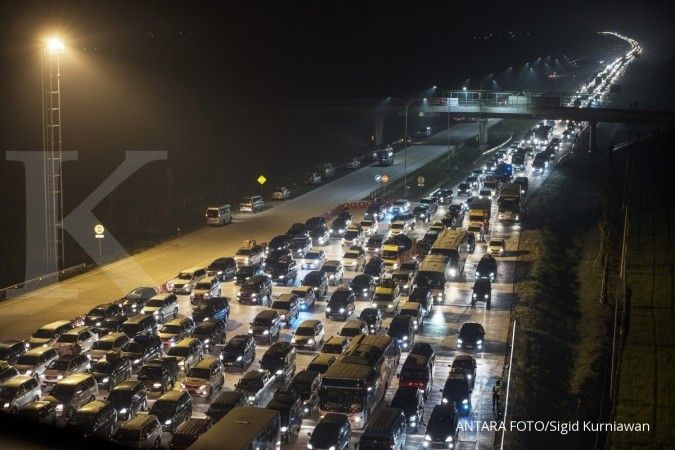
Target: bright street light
<point>55,46</point>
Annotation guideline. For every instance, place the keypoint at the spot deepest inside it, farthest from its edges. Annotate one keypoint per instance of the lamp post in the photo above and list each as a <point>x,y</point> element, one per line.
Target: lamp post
<point>52,50</point>
<point>406,105</point>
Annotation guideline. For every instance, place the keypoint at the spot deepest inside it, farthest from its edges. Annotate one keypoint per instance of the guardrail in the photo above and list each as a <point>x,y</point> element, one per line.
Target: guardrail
<point>41,281</point>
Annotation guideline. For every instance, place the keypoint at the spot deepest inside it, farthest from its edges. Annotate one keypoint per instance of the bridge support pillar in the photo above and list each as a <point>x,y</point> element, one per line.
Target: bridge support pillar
<point>378,131</point>
<point>482,133</point>
<point>592,136</point>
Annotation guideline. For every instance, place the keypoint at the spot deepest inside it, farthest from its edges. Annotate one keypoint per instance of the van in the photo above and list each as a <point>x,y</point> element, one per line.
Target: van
<point>49,333</point>
<point>17,392</point>
<point>172,409</point>
<point>188,433</point>
<point>252,204</point>
<point>386,429</point>
<point>163,306</point>
<point>140,324</point>
<point>307,384</point>
<point>188,351</point>
<point>35,361</point>
<point>218,215</point>
<point>415,311</point>
<point>96,418</point>
<point>143,431</point>
<point>73,392</point>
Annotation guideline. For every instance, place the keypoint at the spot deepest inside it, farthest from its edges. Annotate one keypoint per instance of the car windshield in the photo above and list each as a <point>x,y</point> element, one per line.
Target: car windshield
<point>351,255</point>
<point>329,268</point>
<point>462,364</point>
<point>156,303</point>
<point>361,281</point>
<point>100,311</point>
<point>134,347</point>
<point>119,397</point>
<point>397,226</point>
<point>455,389</point>
<point>199,372</point>
<point>28,360</point>
<point>250,384</point>
<point>350,332</point>
<point>470,329</point>
<point>43,334</point>
<point>369,314</point>
<point>67,338</point>
<point>82,421</point>
<point>382,298</point>
<point>103,366</point>
<point>409,312</point>
<point>313,278</point>
<point>281,305</point>
<point>304,331</point>
<point>399,328</point>
<point>312,255</point>
<point>340,400</point>
<point>340,296</point>
<point>179,351</point>
<point>390,254</point>
<point>62,392</point>
<point>171,329</point>
<point>8,392</point>
<point>497,243</point>
<point>59,364</point>
<point>244,252</point>
<point>272,360</point>
<point>204,286</point>
<point>351,234</point>
<point>152,372</point>
<point>163,408</point>
<point>185,276</point>
<point>129,435</point>
<point>262,321</point>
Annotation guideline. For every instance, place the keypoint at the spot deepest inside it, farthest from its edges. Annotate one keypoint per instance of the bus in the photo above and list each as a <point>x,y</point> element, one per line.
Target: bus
<point>243,428</point>
<point>357,383</point>
<point>453,244</point>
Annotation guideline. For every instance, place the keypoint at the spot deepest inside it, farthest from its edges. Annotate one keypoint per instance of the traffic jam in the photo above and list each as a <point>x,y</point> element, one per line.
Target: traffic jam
<point>383,324</point>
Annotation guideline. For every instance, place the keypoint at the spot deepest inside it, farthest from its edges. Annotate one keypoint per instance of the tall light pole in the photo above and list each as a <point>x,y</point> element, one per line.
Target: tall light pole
<point>406,105</point>
<point>52,50</point>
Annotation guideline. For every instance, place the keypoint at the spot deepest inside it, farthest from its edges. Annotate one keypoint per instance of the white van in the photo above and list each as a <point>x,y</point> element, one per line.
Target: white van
<point>218,215</point>
<point>252,204</point>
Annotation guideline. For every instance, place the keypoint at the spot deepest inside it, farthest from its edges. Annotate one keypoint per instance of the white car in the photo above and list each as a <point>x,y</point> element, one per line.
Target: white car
<point>354,259</point>
<point>353,236</point>
<point>60,368</point>
<point>398,227</point>
<point>497,246</point>
<point>313,260</point>
<point>400,206</point>
<point>281,193</point>
<point>76,341</point>
<point>368,226</point>
<point>185,281</point>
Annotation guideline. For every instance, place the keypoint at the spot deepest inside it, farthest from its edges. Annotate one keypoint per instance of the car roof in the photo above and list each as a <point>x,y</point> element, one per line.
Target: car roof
<point>138,422</point>
<point>324,358</point>
<point>55,325</point>
<point>177,320</point>
<point>128,385</point>
<point>171,396</point>
<point>206,362</point>
<point>337,340</point>
<point>75,378</point>
<point>93,406</point>
<point>17,380</point>
<point>267,314</point>
<point>311,323</point>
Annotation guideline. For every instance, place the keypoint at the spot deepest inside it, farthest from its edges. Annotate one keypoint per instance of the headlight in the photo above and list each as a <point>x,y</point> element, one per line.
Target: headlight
<point>390,306</point>
<point>123,411</point>
<point>105,380</point>
<point>445,401</point>
<point>342,310</point>
<point>281,277</point>
<point>309,446</point>
<point>42,376</point>
<point>486,296</point>
<point>413,418</point>
<point>207,340</point>
<point>266,332</point>
<point>59,407</point>
<point>374,305</point>
<point>332,447</point>
<point>492,274</point>
<point>427,437</point>
<point>479,342</point>
<point>279,372</point>
<point>136,361</point>
<point>6,405</point>
<point>469,376</point>
<point>251,398</point>
<point>459,341</point>
<point>283,429</point>
<point>405,338</point>
<point>453,272</point>
<point>181,363</point>
<point>465,401</point>
<point>365,290</point>
<point>327,308</point>
<point>474,295</point>
<point>282,317</point>
<point>239,358</point>
<point>331,277</point>
<point>250,330</point>
<point>29,371</point>
<point>310,341</point>
<point>155,313</point>
<point>448,439</point>
<point>254,295</point>
<point>167,422</point>
<point>98,324</point>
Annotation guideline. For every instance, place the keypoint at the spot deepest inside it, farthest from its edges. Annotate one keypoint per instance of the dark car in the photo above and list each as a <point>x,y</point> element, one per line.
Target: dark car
<point>172,409</point>
<point>189,432</point>
<point>274,256</point>
<point>487,267</point>
<point>142,348</point>
<point>284,271</point>
<point>40,411</point>
<point>257,290</point>
<point>107,311</point>
<point>424,297</point>
<point>467,365</point>
<point>471,335</point>
<point>354,328</point>
<point>306,383</point>
<point>279,361</point>
<point>482,292</point>
<point>418,372</point>
<point>457,391</point>
<point>215,308</point>
<point>128,398</point>
<point>442,427</point>
<point>135,300</point>
<point>298,230</point>
<point>289,405</point>
<point>411,401</point>
<point>374,243</point>
<point>317,280</point>
<point>320,235</point>
<point>334,271</point>
<point>11,351</point>
<point>376,211</point>
<point>7,372</point>
<point>300,246</point>
<point>211,333</point>
<point>244,273</point>
<point>373,317</point>
<point>338,227</point>
<point>363,286</point>
<point>464,189</point>
<point>157,377</point>
<point>375,267</point>
<point>266,326</point>
<point>281,242</point>
<point>332,431</point>
<point>336,345</point>
<point>238,352</point>
<point>431,203</point>
<point>95,419</point>
<point>110,372</point>
<point>225,402</point>
<point>341,304</point>
<point>223,268</point>
<point>257,386</point>
<point>403,330</point>
<point>288,307</point>
<point>421,213</point>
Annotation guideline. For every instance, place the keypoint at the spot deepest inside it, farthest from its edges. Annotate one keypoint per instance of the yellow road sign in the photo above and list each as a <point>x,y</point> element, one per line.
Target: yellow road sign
<point>261,179</point>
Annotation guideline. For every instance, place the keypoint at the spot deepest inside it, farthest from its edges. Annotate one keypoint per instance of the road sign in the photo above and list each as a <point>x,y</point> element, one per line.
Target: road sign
<point>384,179</point>
<point>420,181</point>
<point>99,229</point>
<point>261,180</point>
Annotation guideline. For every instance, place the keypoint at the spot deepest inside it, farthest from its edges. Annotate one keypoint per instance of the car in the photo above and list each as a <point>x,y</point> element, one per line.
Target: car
<point>275,256</point>
<point>11,351</point>
<point>280,242</point>
<point>257,290</point>
<point>244,273</point>
<point>135,300</point>
<point>402,329</point>
<point>374,243</point>
<point>375,210</point>
<point>312,178</point>
<point>334,271</point>
<point>431,203</point>
<point>398,227</point>
<point>354,236</point>
<point>94,419</point>
<point>346,216</point>
<point>142,348</point>
<point>387,300</point>
<point>110,372</point>
<point>215,308</point>
<point>482,292</point>
<point>224,403</point>
<point>467,365</point>
<point>224,268</point>
<point>464,189</point>
<point>17,392</point>
<point>354,259</point>
<point>472,181</point>
<point>71,393</point>
<point>7,371</point>
<point>403,279</point>
<point>128,397</point>
<point>288,404</point>
<point>317,280</point>
<point>105,312</point>
<point>306,383</point>
<point>418,369</point>
<point>205,378</point>
<point>326,170</point>
<point>313,260</point>
<point>142,431</point>
<point>471,335</point>
<point>442,426</point>
<point>287,306</point>
<point>309,335</point>
<point>60,368</point>
<point>338,227</point>
<point>186,280</point>
<point>40,411</point>
<point>78,340</point>
<point>306,298</point>
<point>457,391</point>
<point>284,271</point>
<point>443,195</point>
<point>257,385</point>
<point>300,246</point>
<point>422,213</point>
<point>407,218</point>
<point>322,362</point>
<point>48,334</point>
<point>281,193</point>
<point>172,409</point>
<point>332,432</point>
<point>497,246</point>
<point>162,307</point>
<point>206,288</point>
<point>363,286</point>
<point>211,333</point>
<point>139,324</point>
<point>35,361</point>
<point>188,352</point>
<point>279,361</point>
<point>189,432</point>
<point>372,317</point>
<point>524,184</point>
<point>375,267</point>
<point>354,328</point>
<point>175,330</point>
<point>411,401</point>
<point>423,296</point>
<point>336,345</point>
<point>298,230</point>
<point>369,226</point>
<point>250,253</point>
<point>341,304</point>
<point>320,235</point>
<point>266,326</point>
<point>399,206</point>
<point>238,352</point>
<point>415,311</point>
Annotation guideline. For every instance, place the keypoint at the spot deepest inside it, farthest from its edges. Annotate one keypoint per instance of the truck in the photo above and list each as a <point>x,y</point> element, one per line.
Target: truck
<point>508,203</point>
<point>504,172</point>
<point>479,216</point>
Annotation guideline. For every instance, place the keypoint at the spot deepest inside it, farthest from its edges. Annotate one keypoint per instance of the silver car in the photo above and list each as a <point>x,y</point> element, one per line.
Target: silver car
<point>17,392</point>
<point>66,365</point>
<point>143,431</point>
<point>78,340</point>
<point>162,306</point>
